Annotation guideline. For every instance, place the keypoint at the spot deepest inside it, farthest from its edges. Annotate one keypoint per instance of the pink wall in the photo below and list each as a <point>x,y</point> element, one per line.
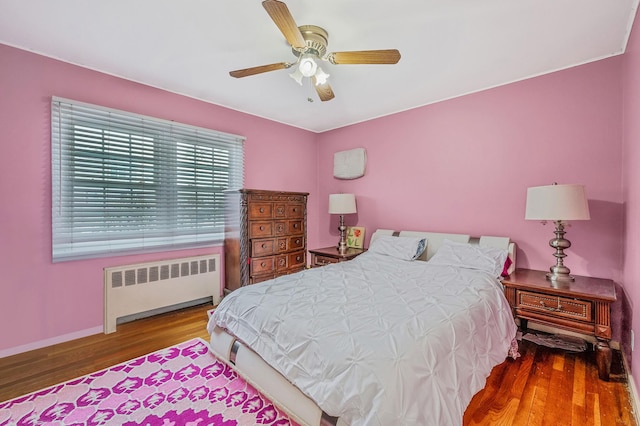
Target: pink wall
<point>41,302</point>
<point>463,166</point>
<point>631,155</point>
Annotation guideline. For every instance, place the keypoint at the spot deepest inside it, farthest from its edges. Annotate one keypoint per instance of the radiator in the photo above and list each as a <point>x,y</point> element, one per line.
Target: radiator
<point>134,289</point>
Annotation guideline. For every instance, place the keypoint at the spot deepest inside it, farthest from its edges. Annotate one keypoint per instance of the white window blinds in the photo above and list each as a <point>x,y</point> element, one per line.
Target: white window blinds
<point>126,183</point>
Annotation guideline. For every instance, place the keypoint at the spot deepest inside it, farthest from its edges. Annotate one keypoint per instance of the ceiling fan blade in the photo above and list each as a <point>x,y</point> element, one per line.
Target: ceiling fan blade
<point>389,56</point>
<point>258,70</point>
<point>324,90</point>
<point>280,14</point>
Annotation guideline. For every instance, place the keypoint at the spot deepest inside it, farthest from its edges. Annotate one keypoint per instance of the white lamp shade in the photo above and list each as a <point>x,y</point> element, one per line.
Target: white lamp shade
<point>557,202</point>
<point>342,203</point>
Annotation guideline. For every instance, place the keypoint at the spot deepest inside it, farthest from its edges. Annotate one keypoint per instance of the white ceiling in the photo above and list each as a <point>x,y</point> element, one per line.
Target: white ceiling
<point>449,47</point>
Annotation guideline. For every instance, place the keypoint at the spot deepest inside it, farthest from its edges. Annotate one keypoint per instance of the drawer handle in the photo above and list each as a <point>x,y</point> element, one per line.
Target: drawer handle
<point>295,225</point>
<point>262,228</point>
<point>264,245</point>
<point>298,258</point>
<point>263,264</point>
<point>551,308</point>
<point>295,209</point>
<point>298,241</point>
<point>261,209</point>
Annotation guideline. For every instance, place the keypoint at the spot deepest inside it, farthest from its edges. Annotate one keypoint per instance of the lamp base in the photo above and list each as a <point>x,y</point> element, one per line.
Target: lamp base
<point>342,247</point>
<point>559,272</point>
<point>342,244</point>
<point>554,277</point>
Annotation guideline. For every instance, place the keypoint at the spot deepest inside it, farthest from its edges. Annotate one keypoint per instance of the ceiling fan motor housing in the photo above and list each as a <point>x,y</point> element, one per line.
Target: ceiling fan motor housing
<point>316,38</point>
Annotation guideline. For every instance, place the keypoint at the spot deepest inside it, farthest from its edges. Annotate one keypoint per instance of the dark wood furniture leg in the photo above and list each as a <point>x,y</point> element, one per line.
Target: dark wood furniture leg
<point>604,356</point>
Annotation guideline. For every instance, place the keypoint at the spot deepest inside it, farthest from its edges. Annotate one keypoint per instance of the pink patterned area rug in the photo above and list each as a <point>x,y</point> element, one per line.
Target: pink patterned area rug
<point>180,385</point>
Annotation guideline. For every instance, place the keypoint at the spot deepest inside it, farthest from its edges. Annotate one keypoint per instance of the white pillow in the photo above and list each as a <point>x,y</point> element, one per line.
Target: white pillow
<point>463,255</point>
<point>405,248</point>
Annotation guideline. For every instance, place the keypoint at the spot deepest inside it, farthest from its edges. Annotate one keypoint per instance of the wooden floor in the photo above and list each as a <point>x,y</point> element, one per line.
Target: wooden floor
<point>542,387</point>
<point>552,387</point>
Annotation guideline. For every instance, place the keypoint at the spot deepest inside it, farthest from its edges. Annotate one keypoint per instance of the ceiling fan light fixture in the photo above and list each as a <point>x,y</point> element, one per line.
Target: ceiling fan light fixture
<point>307,66</point>
<point>309,44</point>
<point>321,77</point>
<point>297,76</point>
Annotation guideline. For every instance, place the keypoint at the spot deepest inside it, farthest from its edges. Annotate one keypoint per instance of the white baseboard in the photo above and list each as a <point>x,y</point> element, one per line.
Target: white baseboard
<point>48,342</point>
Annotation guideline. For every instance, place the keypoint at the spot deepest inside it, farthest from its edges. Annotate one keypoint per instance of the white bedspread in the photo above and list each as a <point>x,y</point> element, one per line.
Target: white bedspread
<point>376,340</point>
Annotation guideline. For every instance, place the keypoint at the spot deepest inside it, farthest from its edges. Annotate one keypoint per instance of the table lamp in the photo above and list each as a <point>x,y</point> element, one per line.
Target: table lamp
<point>342,204</point>
<point>558,203</point>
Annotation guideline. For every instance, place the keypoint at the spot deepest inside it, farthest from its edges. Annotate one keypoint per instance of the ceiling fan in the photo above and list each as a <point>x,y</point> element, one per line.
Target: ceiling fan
<point>309,45</point>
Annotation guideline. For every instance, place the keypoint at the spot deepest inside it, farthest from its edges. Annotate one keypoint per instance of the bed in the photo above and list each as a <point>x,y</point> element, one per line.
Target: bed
<point>403,334</point>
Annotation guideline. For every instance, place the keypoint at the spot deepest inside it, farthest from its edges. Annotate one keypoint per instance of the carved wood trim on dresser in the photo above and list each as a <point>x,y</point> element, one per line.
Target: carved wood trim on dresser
<point>265,235</point>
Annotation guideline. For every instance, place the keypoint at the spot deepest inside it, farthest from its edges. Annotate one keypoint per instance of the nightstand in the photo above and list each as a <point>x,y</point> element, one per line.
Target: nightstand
<point>581,306</point>
<point>326,255</point>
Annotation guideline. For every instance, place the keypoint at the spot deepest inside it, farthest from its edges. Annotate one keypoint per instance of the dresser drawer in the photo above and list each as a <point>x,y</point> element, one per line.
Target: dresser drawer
<point>282,263</point>
<point>260,278</point>
<point>280,211</point>
<point>295,227</point>
<point>260,211</point>
<point>286,244</point>
<point>297,259</point>
<point>282,245</point>
<point>291,260</point>
<point>260,229</point>
<point>320,260</point>
<point>288,227</point>
<point>262,265</point>
<point>296,243</point>
<point>262,247</point>
<point>555,305</point>
<point>295,211</point>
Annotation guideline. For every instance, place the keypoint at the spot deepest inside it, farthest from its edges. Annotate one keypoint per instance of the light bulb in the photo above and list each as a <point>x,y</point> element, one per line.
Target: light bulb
<point>307,66</point>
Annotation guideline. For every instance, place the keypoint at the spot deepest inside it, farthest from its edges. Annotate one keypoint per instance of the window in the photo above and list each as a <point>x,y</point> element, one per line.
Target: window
<point>126,183</point>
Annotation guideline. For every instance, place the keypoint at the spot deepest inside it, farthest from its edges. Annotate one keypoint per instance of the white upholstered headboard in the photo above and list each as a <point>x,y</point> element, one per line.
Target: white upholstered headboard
<point>435,239</point>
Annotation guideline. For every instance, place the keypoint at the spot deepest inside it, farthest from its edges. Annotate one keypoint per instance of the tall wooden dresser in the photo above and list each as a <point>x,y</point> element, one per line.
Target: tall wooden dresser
<point>265,235</point>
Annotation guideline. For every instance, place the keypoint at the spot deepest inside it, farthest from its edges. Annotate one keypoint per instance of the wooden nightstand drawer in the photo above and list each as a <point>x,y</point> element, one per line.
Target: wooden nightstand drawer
<point>320,260</point>
<point>328,255</point>
<point>555,305</point>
